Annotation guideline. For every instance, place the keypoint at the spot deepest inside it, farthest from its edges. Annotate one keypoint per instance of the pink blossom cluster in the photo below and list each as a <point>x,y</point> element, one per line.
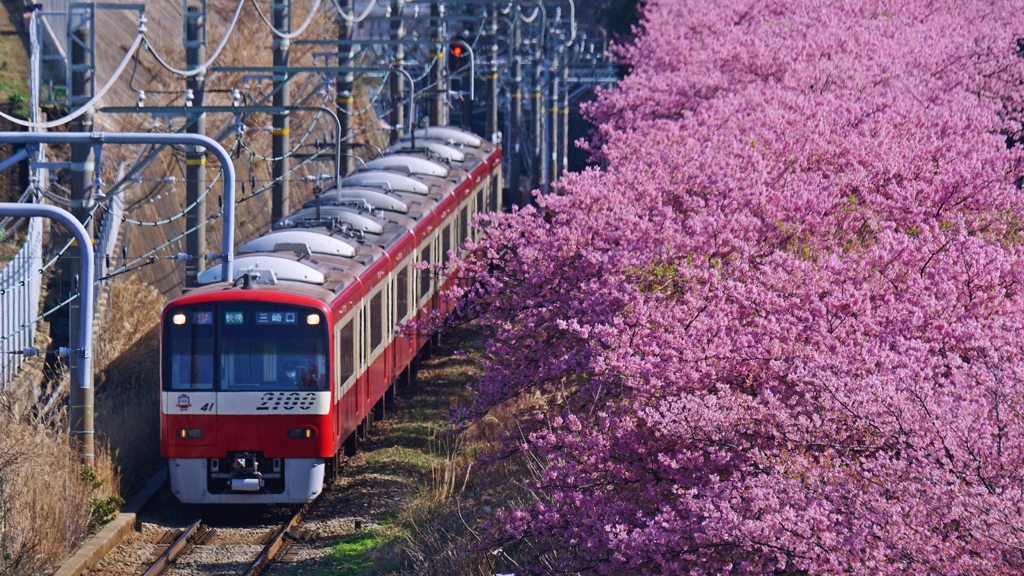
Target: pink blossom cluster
<point>783,330</point>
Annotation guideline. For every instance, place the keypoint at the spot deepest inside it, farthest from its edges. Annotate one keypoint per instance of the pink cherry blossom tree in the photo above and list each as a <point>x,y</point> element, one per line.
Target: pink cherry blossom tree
<point>783,331</point>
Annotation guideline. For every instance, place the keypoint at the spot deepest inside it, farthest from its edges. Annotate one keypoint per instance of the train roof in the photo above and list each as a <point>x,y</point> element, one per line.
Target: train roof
<point>386,180</point>
<point>374,211</point>
<point>377,198</point>
<point>449,135</point>
<point>312,242</point>
<point>435,147</point>
<point>409,163</point>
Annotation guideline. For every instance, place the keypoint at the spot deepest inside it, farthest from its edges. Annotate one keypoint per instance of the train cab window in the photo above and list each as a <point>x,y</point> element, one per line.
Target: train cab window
<point>188,338</point>
<point>346,352</point>
<point>376,320</point>
<point>402,286</point>
<point>463,225</point>
<point>446,244</point>
<point>425,274</point>
<point>265,347</point>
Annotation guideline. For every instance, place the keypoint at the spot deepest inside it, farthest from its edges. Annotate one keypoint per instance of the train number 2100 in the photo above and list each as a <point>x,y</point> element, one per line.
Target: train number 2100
<point>287,401</point>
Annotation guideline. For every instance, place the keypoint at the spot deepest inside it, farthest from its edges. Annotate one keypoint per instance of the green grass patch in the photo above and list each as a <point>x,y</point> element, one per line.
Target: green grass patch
<point>354,555</point>
<point>400,461</point>
<point>15,93</point>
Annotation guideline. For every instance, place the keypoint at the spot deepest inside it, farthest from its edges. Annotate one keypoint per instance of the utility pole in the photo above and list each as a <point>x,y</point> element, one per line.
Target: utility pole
<point>553,123</point>
<point>82,178</point>
<point>282,20</point>
<point>537,121</point>
<point>195,156</point>
<point>516,114</point>
<point>344,98</point>
<point>491,127</point>
<point>563,137</point>
<point>437,115</point>
<point>467,104</point>
<point>397,79</point>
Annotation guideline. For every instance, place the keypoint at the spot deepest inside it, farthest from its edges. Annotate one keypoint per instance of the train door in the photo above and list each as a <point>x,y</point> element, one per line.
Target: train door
<point>478,196</point>
<point>463,226</point>
<point>403,300</point>
<point>496,186</point>
<point>346,356</point>
<point>389,329</point>
<point>362,385</point>
<point>444,247</point>
<point>376,360</point>
<point>424,274</point>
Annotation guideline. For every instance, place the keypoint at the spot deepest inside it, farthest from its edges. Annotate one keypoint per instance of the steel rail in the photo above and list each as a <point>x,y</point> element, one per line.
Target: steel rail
<point>273,547</point>
<point>171,554</point>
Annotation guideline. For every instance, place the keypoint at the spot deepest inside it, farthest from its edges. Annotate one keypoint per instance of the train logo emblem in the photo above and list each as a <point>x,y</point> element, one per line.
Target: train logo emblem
<point>184,403</point>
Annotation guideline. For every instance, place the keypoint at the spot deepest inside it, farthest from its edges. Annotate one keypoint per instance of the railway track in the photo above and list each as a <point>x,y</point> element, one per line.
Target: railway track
<point>202,548</point>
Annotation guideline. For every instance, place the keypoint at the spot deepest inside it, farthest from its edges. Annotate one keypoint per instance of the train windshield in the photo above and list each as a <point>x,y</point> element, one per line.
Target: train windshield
<point>245,347</point>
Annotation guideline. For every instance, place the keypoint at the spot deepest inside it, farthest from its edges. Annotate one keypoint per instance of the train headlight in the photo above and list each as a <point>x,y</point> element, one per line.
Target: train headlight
<point>190,433</point>
<point>313,319</point>
<point>178,319</point>
<point>304,432</point>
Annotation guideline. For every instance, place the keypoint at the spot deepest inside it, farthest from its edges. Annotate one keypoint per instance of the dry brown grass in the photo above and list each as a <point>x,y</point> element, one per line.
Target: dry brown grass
<point>127,361</point>
<point>44,499</point>
<point>48,503</point>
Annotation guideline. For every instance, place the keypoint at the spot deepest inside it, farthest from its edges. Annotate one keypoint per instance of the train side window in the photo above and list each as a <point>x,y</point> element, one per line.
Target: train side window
<point>493,203</point>
<point>426,273</point>
<point>446,244</point>
<point>346,352</point>
<point>480,200</point>
<point>402,287</point>
<point>376,320</point>
<point>463,225</point>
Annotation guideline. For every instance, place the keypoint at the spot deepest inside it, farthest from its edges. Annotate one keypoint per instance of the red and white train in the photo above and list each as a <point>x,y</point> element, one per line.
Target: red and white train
<point>267,378</point>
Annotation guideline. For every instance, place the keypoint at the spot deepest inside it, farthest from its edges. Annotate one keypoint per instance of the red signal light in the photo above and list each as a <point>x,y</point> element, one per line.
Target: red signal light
<point>457,51</point>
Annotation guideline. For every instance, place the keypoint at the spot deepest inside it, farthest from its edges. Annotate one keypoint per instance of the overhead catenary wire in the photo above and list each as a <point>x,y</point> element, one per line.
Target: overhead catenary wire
<point>373,101</point>
<point>354,19</point>
<point>88,106</point>
<point>8,219</point>
<point>288,35</point>
<point>309,131</point>
<point>525,20</point>
<point>131,266</point>
<point>201,69</point>
<point>150,255</point>
<point>68,244</point>
<point>180,214</point>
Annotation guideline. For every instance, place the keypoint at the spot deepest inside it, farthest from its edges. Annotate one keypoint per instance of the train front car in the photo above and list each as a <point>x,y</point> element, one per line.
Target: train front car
<point>246,397</point>
<point>268,379</point>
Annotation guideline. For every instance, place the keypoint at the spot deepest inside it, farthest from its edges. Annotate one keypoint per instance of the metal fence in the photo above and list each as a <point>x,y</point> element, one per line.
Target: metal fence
<point>106,240</point>
<point>20,283</point>
<point>52,34</point>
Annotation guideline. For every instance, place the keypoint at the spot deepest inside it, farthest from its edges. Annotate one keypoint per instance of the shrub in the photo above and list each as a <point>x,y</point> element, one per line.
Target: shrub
<point>781,332</point>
